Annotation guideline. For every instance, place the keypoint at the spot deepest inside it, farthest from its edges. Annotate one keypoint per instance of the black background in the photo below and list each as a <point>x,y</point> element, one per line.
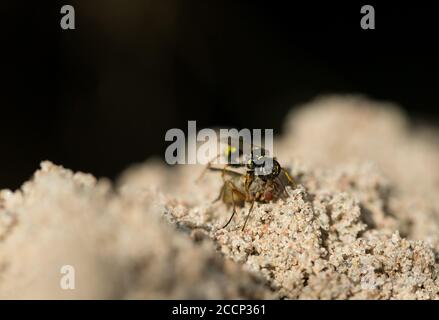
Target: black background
<point>275,309</point>
<point>101,97</point>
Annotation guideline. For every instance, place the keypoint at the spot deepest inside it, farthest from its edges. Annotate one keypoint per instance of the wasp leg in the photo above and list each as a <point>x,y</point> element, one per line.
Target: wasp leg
<point>223,188</point>
<point>248,182</point>
<point>226,182</point>
<point>240,194</point>
<point>233,213</point>
<point>248,215</point>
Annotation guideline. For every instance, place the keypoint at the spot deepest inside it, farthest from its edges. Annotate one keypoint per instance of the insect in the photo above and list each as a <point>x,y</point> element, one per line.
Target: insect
<point>257,161</point>
<point>260,178</point>
<point>241,186</point>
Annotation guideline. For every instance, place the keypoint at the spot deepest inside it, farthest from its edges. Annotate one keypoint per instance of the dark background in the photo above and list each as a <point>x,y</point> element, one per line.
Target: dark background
<point>101,97</point>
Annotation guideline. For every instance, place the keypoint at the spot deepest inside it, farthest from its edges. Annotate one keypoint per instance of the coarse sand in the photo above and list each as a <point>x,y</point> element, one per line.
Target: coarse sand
<point>362,223</point>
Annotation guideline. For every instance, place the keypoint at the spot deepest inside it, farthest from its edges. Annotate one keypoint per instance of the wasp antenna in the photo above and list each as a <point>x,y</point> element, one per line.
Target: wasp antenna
<point>290,179</point>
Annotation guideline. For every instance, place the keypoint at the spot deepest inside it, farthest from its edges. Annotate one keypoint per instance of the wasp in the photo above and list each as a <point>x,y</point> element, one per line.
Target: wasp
<point>255,177</point>
<point>257,161</point>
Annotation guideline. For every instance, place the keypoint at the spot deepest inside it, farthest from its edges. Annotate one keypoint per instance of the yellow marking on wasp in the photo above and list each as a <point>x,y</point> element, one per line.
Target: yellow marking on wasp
<point>230,150</point>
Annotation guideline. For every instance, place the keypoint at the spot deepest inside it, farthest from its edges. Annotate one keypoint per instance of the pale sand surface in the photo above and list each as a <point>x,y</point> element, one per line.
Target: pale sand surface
<point>363,222</point>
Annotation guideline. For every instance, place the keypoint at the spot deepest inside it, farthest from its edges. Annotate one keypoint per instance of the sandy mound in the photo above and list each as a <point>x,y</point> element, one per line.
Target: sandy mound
<point>362,223</point>
<point>117,243</point>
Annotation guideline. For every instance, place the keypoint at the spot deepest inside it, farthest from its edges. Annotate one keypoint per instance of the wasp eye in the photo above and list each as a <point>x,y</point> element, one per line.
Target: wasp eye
<point>276,169</point>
